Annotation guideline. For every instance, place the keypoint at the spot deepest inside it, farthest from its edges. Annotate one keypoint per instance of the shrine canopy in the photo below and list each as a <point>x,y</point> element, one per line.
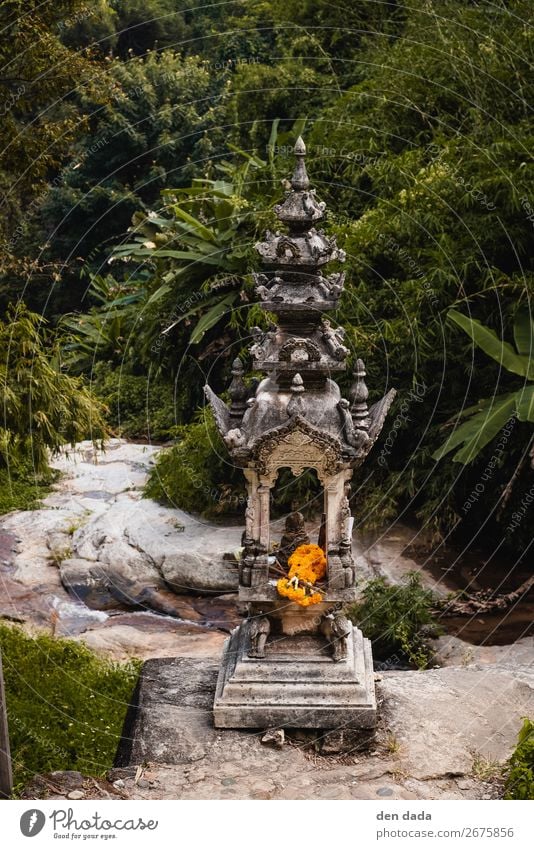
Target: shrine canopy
<point>296,416</point>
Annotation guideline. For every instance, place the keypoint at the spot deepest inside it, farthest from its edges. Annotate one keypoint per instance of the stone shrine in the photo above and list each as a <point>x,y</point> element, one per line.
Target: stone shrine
<point>297,661</point>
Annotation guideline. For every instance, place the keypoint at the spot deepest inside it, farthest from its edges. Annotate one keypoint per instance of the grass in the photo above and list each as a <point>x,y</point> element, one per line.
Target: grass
<point>66,705</point>
<point>392,744</point>
<point>486,769</point>
<point>58,555</point>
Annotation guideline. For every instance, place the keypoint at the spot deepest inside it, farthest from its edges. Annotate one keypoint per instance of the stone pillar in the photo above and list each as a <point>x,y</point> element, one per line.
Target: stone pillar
<point>264,495</point>
<point>260,572</point>
<point>337,511</point>
<point>333,492</point>
<point>252,513</point>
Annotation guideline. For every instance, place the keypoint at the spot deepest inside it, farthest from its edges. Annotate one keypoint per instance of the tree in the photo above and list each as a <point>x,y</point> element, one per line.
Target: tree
<point>182,275</point>
<point>144,25</point>
<point>39,121</point>
<point>426,165</point>
<point>159,128</point>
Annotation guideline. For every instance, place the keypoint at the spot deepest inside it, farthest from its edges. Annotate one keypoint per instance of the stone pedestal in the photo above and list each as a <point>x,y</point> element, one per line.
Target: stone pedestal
<point>296,685</point>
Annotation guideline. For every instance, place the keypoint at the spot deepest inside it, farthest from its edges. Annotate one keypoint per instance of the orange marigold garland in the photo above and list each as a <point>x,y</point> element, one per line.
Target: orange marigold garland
<point>307,565</point>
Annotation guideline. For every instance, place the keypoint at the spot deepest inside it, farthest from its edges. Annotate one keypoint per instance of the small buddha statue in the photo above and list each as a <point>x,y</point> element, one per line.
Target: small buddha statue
<point>293,536</point>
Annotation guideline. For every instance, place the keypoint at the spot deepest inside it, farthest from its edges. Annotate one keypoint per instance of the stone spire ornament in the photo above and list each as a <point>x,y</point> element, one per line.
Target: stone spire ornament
<point>299,180</point>
<point>359,395</point>
<point>238,392</point>
<point>312,670</point>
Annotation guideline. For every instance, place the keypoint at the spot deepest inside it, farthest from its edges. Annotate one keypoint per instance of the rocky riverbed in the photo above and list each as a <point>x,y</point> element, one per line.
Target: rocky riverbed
<point>100,564</point>
<point>128,577</point>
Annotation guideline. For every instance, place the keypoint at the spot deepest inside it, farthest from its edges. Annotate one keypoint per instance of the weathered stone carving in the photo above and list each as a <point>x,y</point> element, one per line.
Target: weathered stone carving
<point>235,438</point>
<point>298,445</point>
<point>296,404</point>
<point>259,630</point>
<point>337,629</point>
<point>334,340</point>
<point>299,350</point>
<point>238,393</point>
<point>359,395</point>
<point>356,437</point>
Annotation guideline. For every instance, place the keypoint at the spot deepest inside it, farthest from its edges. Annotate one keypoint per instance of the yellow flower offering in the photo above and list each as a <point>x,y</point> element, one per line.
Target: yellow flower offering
<point>307,565</point>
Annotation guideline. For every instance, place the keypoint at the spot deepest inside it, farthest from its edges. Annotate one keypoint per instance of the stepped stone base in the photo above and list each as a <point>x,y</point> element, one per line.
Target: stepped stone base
<point>297,684</point>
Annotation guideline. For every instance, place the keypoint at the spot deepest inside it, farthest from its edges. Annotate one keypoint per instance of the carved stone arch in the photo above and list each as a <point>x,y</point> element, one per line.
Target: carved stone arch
<point>299,446</point>
<point>299,349</point>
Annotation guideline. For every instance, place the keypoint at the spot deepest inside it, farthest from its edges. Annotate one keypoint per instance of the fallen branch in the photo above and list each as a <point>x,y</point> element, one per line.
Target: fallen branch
<point>484,601</point>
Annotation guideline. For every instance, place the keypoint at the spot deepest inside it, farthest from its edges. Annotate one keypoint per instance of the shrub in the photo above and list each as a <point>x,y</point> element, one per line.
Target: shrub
<point>397,618</point>
<point>66,706</point>
<point>520,781</point>
<point>139,408</point>
<point>196,474</point>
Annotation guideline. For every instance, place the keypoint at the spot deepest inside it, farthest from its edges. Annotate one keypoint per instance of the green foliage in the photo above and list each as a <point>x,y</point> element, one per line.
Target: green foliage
<point>158,129</point>
<point>181,280</point>
<point>43,407</point>
<point>139,408</point>
<point>93,28</point>
<point>38,122</point>
<point>419,135</point>
<point>520,779</point>
<point>489,416</point>
<point>66,705</point>
<point>397,618</point>
<point>196,474</point>
<point>143,25</point>
<point>23,489</point>
<point>425,167</point>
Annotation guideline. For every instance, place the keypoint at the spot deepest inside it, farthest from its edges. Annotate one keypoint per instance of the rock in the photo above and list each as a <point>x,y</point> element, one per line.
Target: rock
<point>190,572</point>
<point>125,641</point>
<point>345,741</point>
<point>76,794</point>
<point>442,717</point>
<point>452,651</point>
<point>59,544</point>
<point>70,785</point>
<point>274,737</point>
<point>464,784</point>
<point>88,582</point>
<point>173,722</point>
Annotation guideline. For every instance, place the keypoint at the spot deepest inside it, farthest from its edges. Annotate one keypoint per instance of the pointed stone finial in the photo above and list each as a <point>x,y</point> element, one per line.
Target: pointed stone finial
<point>238,392</point>
<point>300,181</point>
<point>296,402</point>
<point>359,395</point>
